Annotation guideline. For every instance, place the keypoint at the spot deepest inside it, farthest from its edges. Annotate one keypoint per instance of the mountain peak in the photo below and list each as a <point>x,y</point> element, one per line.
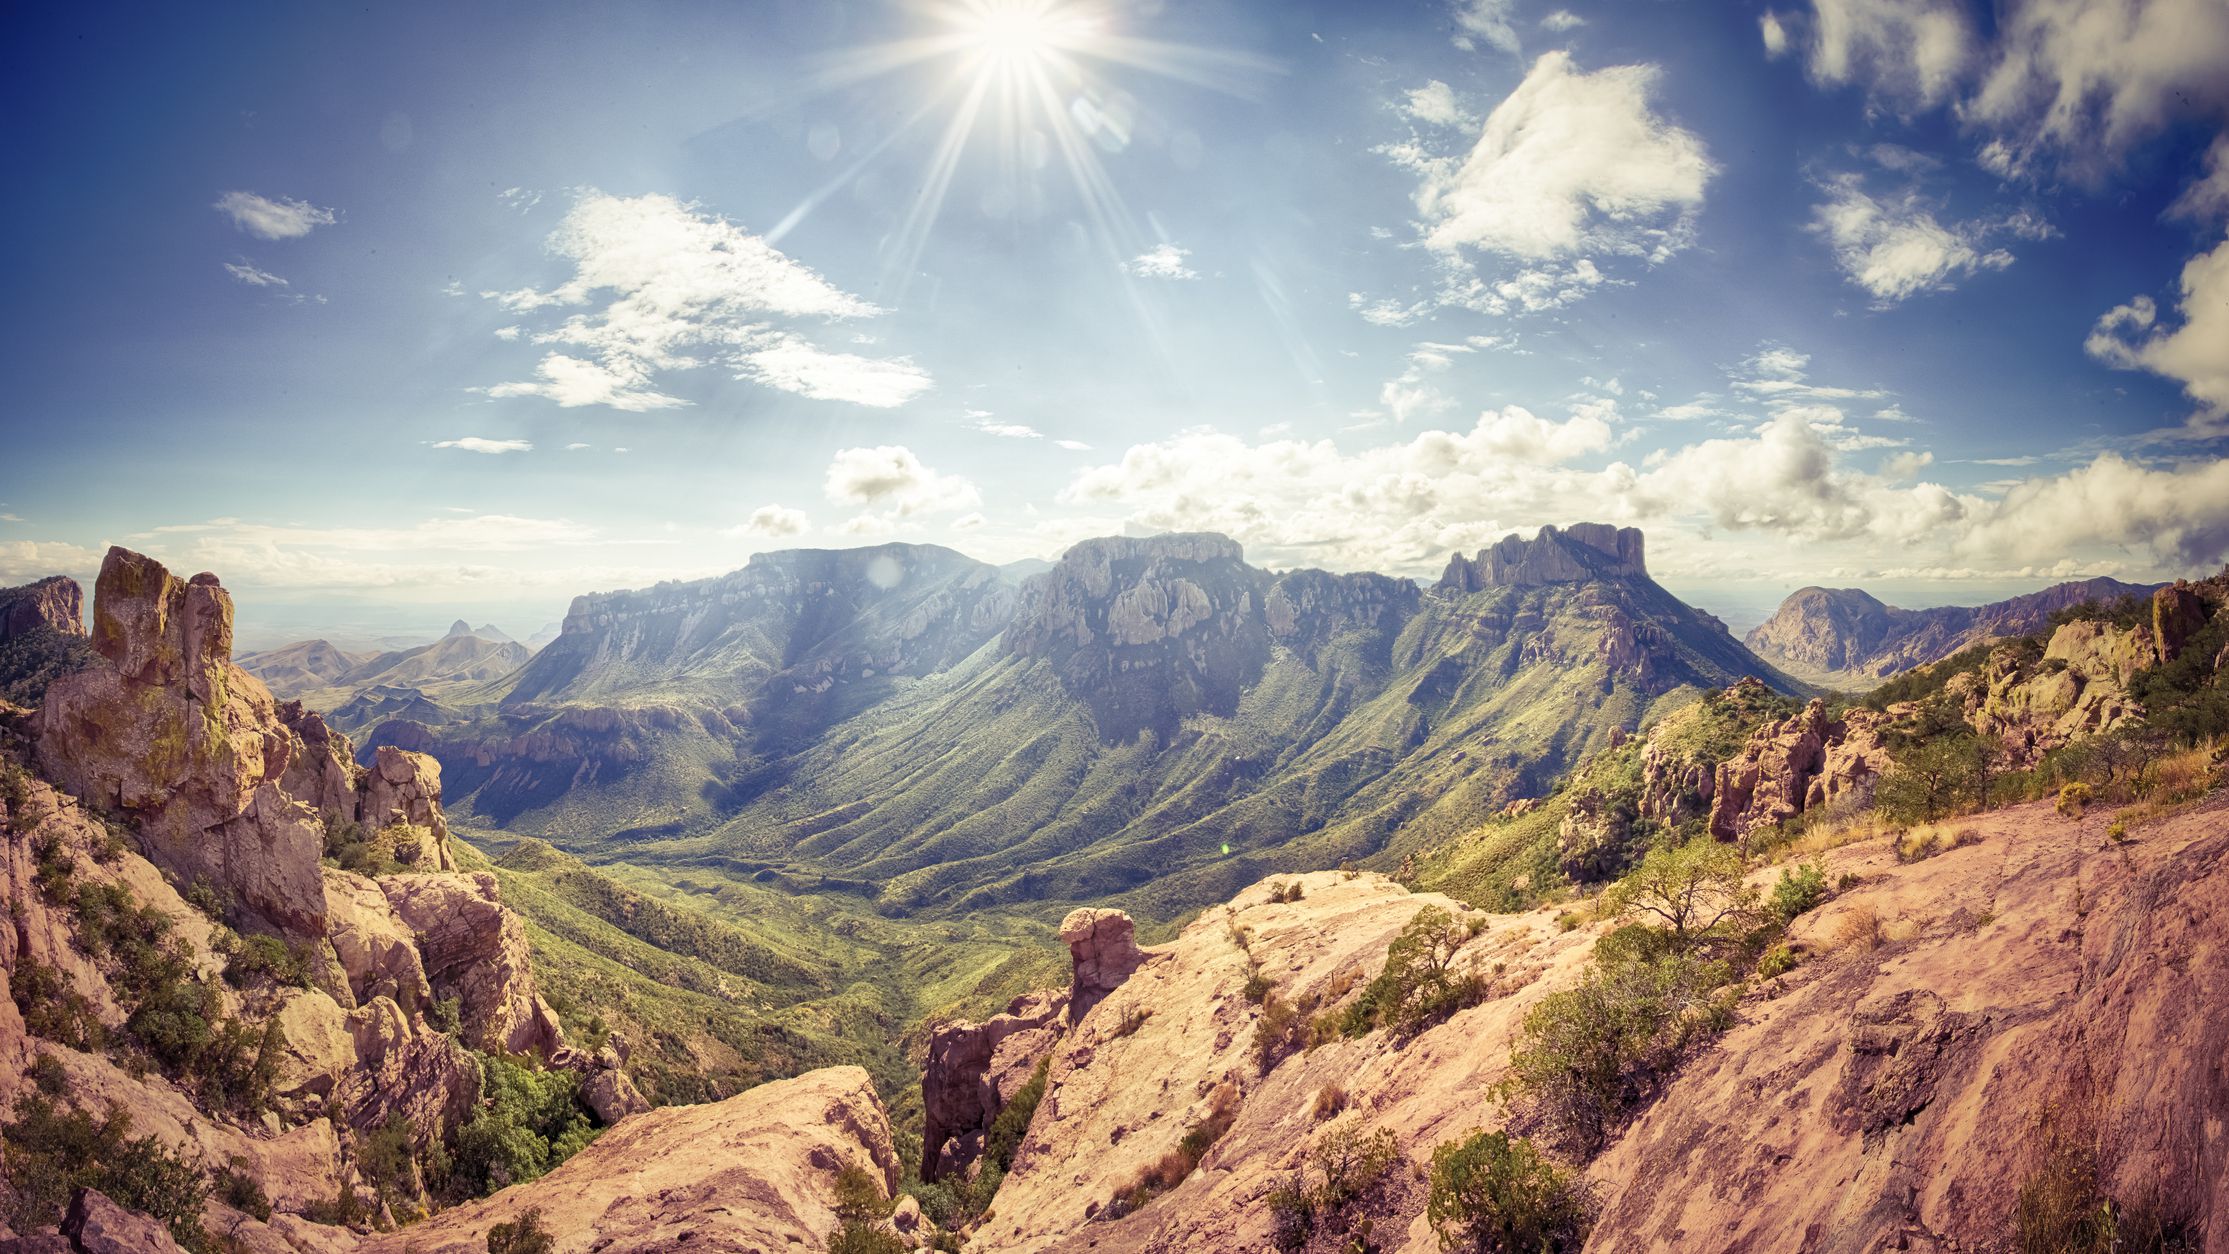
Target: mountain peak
<point>460,628</point>
<point>1571,554</point>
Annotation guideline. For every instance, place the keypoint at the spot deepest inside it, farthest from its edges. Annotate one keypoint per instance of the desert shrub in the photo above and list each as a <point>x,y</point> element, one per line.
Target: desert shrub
<point>34,659</point>
<point>530,1120</point>
<point>1289,891</point>
<point>859,1195</point>
<point>1690,889</point>
<point>1132,1019</point>
<point>864,1238</point>
<point>1292,1213</point>
<point>1419,986</point>
<point>1934,775</point>
<point>1801,889</point>
<point>446,1015</point>
<point>1012,1123</point>
<point>2074,798</point>
<point>53,1009</point>
<point>1500,1195</point>
<point>1171,1169</point>
<point>1280,1032</point>
<point>1778,960</point>
<point>51,1150</point>
<point>523,1235</point>
<point>1330,1100</point>
<point>240,1191</point>
<point>1352,1165</point>
<point>2116,831</point>
<point>388,1161</point>
<point>249,958</point>
<point>1588,1054</point>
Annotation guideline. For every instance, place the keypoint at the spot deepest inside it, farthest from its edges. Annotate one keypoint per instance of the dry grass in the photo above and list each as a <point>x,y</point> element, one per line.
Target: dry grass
<point>1867,826</point>
<point>1857,932</point>
<point>2172,784</point>
<point>1330,1100</point>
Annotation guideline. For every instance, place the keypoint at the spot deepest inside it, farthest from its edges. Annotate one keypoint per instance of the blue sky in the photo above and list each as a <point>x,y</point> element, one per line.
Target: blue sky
<point>395,314</point>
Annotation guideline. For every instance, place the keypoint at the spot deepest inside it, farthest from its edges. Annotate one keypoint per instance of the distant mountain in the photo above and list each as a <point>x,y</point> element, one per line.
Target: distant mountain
<point>544,634</point>
<point>1149,716</point>
<point>1848,636</point>
<point>357,689</point>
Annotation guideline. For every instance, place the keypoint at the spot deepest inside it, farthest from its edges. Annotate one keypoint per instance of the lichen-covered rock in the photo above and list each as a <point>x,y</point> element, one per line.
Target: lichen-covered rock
<point>406,1069</point>
<point>754,1173</point>
<point>403,790</point>
<point>475,950</point>
<point>169,733</point>
<point>1796,764</point>
<point>2079,687</point>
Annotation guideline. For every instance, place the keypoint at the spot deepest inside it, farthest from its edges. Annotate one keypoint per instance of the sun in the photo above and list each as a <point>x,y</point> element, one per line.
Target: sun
<point>1012,35</point>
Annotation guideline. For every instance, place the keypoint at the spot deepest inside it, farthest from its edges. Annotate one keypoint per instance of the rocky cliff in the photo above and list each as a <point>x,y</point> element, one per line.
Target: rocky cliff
<point>55,603</point>
<point>1566,555</point>
<point>1849,635</point>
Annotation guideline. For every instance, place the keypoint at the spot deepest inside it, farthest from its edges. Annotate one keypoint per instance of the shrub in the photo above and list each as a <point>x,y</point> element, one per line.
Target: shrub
<point>1171,1168</point>
<point>1281,894</point>
<point>530,1120</point>
<point>523,1235</point>
<point>249,957</point>
<point>51,1151</point>
<point>1012,1123</point>
<point>240,1191</point>
<point>1588,1054</point>
<point>1292,1213</point>
<point>1800,890</point>
<point>1132,1019</point>
<point>1330,1100</point>
<point>53,1009</point>
<point>864,1238</point>
<point>2117,832</point>
<point>859,1195</point>
<point>1418,986</point>
<point>1778,960</point>
<point>2074,798</point>
<point>1279,1033</point>
<point>1498,1194</point>
<point>1934,775</point>
<point>1352,1165</point>
<point>1690,889</point>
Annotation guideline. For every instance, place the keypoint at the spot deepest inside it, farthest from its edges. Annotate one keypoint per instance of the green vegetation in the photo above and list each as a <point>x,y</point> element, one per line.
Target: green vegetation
<point>1690,889</point>
<point>523,1235</point>
<point>2063,1207</point>
<point>31,661</point>
<point>1499,1195</point>
<point>1419,985</point>
<point>51,1150</point>
<point>1801,889</point>
<point>529,1120</point>
<point>1352,1167</point>
<point>860,1207</point>
<point>1012,1123</point>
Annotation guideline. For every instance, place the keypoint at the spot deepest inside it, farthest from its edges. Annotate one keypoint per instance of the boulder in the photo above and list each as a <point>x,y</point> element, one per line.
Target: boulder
<point>100,1226</point>
<point>612,1096</point>
<point>1794,765</point>
<point>422,1075</point>
<point>475,950</point>
<point>377,951</point>
<point>402,791</point>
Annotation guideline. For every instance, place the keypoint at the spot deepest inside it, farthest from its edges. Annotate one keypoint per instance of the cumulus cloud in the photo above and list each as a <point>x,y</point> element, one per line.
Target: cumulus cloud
<point>1774,33</point>
<point>1562,20</point>
<point>22,561</point>
<point>1165,261</point>
<point>1569,163</point>
<point>474,444</point>
<point>2195,354</point>
<point>891,479</point>
<point>771,522</point>
<point>1894,246</point>
<point>247,273</point>
<point>270,219</point>
<point>664,286</point>
<point>507,333</point>
<point>2179,514</point>
<point>2207,198</point>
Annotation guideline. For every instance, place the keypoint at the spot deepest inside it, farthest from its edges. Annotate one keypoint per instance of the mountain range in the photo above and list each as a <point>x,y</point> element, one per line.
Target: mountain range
<point>1151,717</point>
<point>1847,637</point>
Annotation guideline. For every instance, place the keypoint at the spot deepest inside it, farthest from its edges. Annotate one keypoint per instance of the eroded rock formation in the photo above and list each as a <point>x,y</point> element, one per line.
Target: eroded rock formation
<point>1556,555</point>
<point>1797,764</point>
<point>56,603</point>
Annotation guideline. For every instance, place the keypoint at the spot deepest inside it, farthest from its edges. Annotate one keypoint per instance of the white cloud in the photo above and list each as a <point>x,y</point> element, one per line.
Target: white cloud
<point>2089,78</point>
<point>1562,20</point>
<point>247,273</point>
<point>675,288</point>
<point>1530,290</point>
<point>1164,261</point>
<point>1570,162</point>
<point>575,447</point>
<point>474,444</point>
<point>1435,105</point>
<point>2195,354</point>
<point>771,522</point>
<point>1895,248</point>
<point>1907,51</point>
<point>891,478</point>
<point>266,218</point>
<point>2179,514</point>
<point>1517,433</point>
<point>794,365</point>
<point>1486,20</point>
<point>2207,199</point>
<point>22,561</point>
<point>1005,430</point>
<point>1386,312</point>
<point>519,198</point>
<point>1775,34</point>
<point>1073,446</point>
<point>572,382</point>
<point>507,333</point>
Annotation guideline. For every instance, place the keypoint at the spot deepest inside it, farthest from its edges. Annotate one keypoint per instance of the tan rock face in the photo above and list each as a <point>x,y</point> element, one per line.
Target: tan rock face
<point>1797,764</point>
<point>475,950</point>
<point>405,788</point>
<point>185,744</point>
<point>754,1173</point>
<point>1103,946</point>
<point>377,951</point>
<point>973,1070</point>
<point>99,1226</point>
<point>55,602</point>
<point>2178,613</point>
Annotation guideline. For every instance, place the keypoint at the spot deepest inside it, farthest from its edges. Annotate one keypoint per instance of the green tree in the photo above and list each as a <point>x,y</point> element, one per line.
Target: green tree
<point>1500,1195</point>
<point>1690,889</point>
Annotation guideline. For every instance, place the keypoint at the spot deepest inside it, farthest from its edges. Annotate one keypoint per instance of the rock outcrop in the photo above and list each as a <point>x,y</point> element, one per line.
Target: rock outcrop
<point>55,603</point>
<point>756,1172</point>
<point>974,1069</point>
<point>1573,554</point>
<point>2078,687</point>
<point>2178,613</point>
<point>1798,764</point>
<point>186,746</point>
<point>475,951</point>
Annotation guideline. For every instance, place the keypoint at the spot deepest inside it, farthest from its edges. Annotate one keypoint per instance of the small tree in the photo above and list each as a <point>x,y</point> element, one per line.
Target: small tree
<point>1691,889</point>
<point>1499,1195</point>
<point>1928,778</point>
